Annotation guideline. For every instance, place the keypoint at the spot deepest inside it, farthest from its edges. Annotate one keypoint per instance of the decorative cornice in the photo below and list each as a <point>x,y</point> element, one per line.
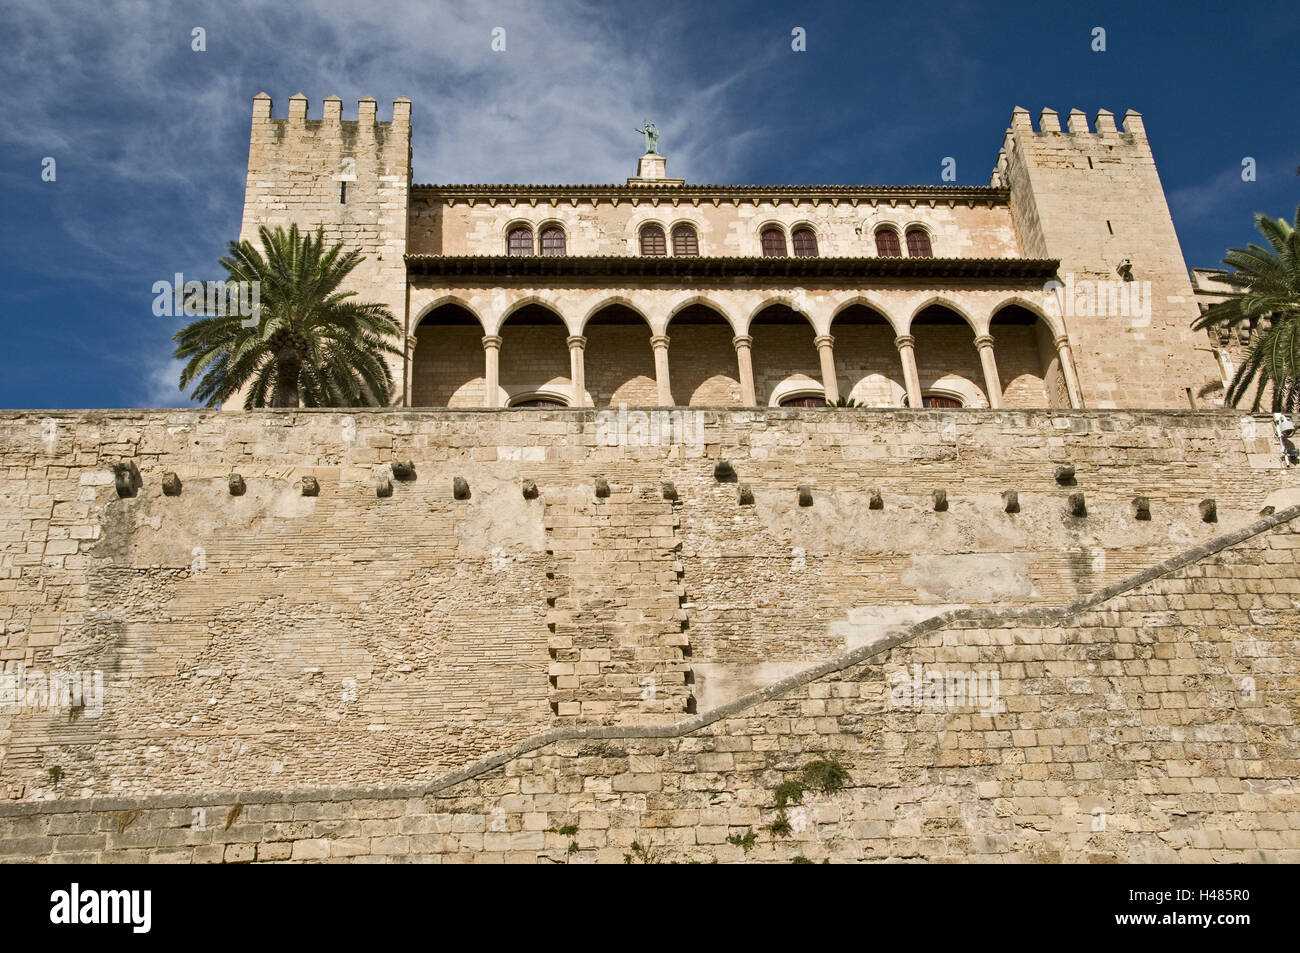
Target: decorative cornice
<point>507,266</point>
<point>870,194</point>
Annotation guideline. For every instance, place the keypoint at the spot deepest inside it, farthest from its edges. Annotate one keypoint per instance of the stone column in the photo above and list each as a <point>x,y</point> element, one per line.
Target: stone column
<point>826,351</point>
<point>906,345</point>
<point>491,349</point>
<point>577,371</point>
<point>1067,369</point>
<point>744,360</point>
<point>408,384</point>
<point>665,392</point>
<point>992,383</point>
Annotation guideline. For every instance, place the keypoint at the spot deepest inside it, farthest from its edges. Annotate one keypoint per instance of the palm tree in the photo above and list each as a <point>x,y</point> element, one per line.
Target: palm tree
<point>310,345</point>
<point>1270,286</point>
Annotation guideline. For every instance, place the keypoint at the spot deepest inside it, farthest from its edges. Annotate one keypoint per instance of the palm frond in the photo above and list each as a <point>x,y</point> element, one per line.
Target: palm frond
<point>309,328</point>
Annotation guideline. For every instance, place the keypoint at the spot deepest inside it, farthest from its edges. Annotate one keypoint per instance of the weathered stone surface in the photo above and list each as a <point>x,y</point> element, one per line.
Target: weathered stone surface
<point>171,484</point>
<point>401,639</point>
<point>1044,762</point>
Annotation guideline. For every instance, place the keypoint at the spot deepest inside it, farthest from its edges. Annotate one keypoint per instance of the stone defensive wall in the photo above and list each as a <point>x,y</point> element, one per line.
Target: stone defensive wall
<point>551,635</point>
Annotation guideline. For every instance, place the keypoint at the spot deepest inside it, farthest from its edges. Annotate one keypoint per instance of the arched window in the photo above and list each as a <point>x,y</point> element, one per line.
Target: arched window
<point>887,243</point>
<point>803,400</point>
<point>537,400</point>
<point>553,240</point>
<point>521,240</point>
<point>652,241</point>
<point>805,243</point>
<point>939,400</point>
<point>685,241</point>
<point>918,243</point>
<point>773,243</point>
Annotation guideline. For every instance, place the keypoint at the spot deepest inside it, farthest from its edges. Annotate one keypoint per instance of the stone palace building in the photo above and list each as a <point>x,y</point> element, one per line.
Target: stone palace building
<point>1059,284</point>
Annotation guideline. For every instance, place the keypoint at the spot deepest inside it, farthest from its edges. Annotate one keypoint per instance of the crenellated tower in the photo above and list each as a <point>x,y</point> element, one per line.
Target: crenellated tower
<point>1092,199</point>
<point>351,177</point>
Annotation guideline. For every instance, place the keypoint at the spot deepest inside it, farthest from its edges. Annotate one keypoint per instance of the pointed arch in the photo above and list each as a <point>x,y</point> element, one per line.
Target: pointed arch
<point>946,352</point>
<point>447,363</point>
<point>612,300</point>
<point>681,305</point>
<point>864,301</point>
<point>941,301</point>
<point>619,358</point>
<point>516,306</point>
<point>783,348</point>
<point>788,301</point>
<point>1029,363</point>
<point>1054,323</point>
<point>703,354</point>
<point>446,299</point>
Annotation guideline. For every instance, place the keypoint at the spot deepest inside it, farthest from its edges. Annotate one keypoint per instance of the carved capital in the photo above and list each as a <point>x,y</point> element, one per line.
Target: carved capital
<point>983,341</point>
<point>742,340</point>
<point>491,341</point>
<point>904,340</point>
<point>576,340</point>
<point>659,341</point>
<point>824,340</point>
<point>1061,341</point>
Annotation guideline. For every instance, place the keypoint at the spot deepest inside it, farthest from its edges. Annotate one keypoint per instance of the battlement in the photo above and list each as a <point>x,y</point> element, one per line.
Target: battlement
<point>1049,121</point>
<point>332,109</point>
<point>1077,133</point>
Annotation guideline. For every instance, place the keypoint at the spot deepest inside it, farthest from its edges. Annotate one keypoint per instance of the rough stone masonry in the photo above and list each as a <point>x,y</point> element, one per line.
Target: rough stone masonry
<point>539,647</point>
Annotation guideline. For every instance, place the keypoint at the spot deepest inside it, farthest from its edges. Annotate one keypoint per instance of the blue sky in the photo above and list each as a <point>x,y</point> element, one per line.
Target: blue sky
<point>150,138</point>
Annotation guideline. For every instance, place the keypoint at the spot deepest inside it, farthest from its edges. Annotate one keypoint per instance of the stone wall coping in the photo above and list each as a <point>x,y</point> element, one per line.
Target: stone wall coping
<point>988,618</point>
<point>572,413</point>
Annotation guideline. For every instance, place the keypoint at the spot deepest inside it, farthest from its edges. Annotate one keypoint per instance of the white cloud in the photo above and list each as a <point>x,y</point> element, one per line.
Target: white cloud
<point>160,383</point>
<point>151,137</point>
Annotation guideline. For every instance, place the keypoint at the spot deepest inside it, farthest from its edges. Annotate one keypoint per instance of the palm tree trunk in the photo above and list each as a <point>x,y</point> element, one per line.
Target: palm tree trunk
<point>288,367</point>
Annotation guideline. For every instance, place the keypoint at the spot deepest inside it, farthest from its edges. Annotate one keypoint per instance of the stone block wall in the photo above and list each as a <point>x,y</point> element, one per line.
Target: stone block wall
<point>1154,721</point>
<point>386,630</point>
